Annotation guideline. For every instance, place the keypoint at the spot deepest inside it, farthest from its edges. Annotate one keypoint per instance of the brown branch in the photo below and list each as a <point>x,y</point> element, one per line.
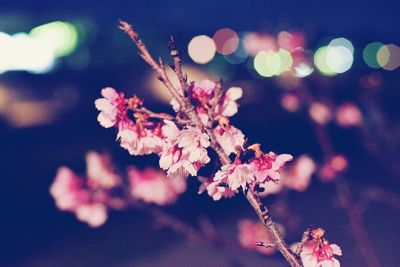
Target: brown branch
<point>177,67</point>
<point>266,245</point>
<point>304,239</point>
<point>163,116</point>
<point>189,110</point>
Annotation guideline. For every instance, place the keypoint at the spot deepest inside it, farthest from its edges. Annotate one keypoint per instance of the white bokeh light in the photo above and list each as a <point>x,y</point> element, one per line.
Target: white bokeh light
<point>339,59</point>
<point>201,49</point>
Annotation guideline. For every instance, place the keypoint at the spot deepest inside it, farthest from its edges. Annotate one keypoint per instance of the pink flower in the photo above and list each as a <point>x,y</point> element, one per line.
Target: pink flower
<point>100,172</point>
<point>185,152</point>
<point>348,115</point>
<point>320,113</point>
<point>94,214</point>
<point>111,107</point>
<point>67,190</point>
<point>215,189</point>
<point>201,95</point>
<point>203,115</point>
<point>229,137</point>
<point>298,175</point>
<point>140,142</point>
<point>153,186</point>
<point>87,198</point>
<point>267,166</point>
<point>251,232</point>
<point>235,175</point>
<point>318,253</point>
<point>203,90</point>
<point>229,107</point>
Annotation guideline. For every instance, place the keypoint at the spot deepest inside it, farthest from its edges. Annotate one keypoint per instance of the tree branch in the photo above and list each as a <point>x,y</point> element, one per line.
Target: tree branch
<point>186,107</point>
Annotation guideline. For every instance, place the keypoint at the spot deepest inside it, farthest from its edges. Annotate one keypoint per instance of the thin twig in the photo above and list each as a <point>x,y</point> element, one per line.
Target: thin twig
<point>177,67</point>
<point>305,238</point>
<point>266,245</point>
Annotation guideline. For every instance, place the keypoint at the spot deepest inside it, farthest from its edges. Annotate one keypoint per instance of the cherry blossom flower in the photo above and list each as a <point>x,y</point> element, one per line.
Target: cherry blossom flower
<point>317,253</point>
<point>229,107</point>
<point>185,151</point>
<point>266,167</point>
<point>94,214</point>
<point>320,113</point>
<point>203,90</point>
<point>140,141</point>
<point>229,137</point>
<point>215,189</point>
<point>100,172</point>
<point>87,198</point>
<point>152,186</point>
<point>67,190</point>
<point>251,232</point>
<point>348,115</point>
<point>111,107</point>
<point>235,175</point>
<point>298,175</point>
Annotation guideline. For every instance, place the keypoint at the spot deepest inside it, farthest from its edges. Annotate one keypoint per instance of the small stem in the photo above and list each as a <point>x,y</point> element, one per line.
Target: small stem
<point>304,239</point>
<point>163,116</point>
<point>266,245</point>
<point>174,52</point>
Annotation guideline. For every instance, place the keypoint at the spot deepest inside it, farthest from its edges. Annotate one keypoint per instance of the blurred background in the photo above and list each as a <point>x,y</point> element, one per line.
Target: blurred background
<point>56,56</point>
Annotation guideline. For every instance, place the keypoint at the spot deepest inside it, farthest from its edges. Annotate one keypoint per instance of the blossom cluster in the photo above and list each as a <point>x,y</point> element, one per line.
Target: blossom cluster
<point>182,148</point>
<point>295,176</point>
<point>90,197</point>
<point>316,251</point>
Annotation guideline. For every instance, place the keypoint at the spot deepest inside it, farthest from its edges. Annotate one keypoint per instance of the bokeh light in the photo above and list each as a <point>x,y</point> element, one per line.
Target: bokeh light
<point>388,56</point>
<point>342,42</point>
<point>370,54</point>
<point>239,56</point>
<point>226,41</point>
<point>20,52</point>
<point>63,36</point>
<point>286,60</point>
<point>201,49</point>
<point>320,61</point>
<point>270,63</point>
<point>267,64</point>
<point>339,58</point>
<point>303,70</point>
<point>336,57</point>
